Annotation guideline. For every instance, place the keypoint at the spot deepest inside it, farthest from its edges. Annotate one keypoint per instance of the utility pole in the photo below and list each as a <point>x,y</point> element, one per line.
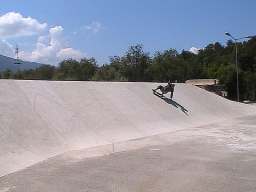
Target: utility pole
<point>17,55</point>
<point>236,62</point>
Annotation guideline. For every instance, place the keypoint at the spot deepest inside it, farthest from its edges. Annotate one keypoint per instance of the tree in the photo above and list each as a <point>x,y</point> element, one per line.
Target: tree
<point>87,70</point>
<point>136,63</point>
<point>167,66</point>
<point>45,72</point>
<point>7,74</point>
<point>68,70</point>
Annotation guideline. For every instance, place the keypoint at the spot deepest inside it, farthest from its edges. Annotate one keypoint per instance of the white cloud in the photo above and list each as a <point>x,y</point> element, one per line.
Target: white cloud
<point>94,27</point>
<point>49,49</point>
<point>194,50</point>
<point>68,53</point>
<point>52,49</point>
<point>6,48</point>
<point>14,24</point>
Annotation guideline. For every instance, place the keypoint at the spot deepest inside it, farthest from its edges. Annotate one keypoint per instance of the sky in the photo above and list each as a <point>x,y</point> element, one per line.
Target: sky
<point>49,31</point>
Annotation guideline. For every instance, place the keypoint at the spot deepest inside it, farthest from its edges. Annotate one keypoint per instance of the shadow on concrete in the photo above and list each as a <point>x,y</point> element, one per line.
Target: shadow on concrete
<point>175,104</point>
<point>172,102</point>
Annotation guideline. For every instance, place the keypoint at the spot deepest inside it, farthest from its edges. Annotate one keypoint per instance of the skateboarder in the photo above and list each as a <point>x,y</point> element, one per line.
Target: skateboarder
<point>166,89</point>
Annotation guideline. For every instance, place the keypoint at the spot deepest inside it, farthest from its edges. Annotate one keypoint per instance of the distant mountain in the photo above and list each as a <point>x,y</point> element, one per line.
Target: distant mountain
<point>9,63</point>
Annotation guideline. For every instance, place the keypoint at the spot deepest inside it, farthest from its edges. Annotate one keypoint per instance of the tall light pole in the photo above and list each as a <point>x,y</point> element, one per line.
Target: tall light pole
<point>237,68</point>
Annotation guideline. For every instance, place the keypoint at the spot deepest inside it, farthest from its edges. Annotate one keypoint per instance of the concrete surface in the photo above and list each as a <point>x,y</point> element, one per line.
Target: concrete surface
<point>43,119</point>
<point>196,164</point>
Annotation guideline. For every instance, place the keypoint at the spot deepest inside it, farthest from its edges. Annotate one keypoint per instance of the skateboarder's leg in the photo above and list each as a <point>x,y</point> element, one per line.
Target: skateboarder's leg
<point>171,94</point>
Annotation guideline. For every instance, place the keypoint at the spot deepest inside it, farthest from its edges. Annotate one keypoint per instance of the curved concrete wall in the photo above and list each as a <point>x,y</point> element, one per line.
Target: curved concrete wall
<point>41,119</point>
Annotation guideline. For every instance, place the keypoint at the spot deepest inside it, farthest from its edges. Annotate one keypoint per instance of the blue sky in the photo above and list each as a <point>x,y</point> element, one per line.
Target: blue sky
<point>98,28</point>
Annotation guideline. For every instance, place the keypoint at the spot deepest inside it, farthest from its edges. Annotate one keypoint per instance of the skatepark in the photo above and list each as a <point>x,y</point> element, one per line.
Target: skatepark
<point>119,136</point>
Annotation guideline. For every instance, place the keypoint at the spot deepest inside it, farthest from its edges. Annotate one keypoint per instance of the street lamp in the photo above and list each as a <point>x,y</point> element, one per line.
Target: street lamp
<point>237,72</point>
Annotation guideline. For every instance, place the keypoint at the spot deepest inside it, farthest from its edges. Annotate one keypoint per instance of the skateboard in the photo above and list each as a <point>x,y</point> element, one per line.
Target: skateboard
<point>157,93</point>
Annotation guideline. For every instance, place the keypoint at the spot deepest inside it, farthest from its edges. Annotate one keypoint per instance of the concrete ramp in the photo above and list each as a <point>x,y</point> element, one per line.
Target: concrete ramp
<point>41,119</point>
